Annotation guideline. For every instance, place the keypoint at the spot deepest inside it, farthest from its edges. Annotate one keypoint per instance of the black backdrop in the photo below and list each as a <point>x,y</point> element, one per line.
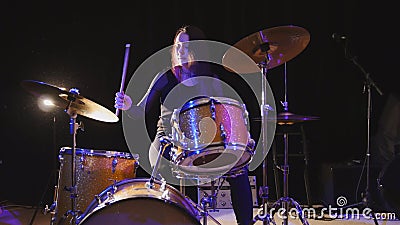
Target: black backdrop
<point>81,44</point>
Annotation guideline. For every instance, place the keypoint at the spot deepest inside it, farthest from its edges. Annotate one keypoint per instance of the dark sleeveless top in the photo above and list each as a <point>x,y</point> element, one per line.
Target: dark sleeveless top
<point>168,94</point>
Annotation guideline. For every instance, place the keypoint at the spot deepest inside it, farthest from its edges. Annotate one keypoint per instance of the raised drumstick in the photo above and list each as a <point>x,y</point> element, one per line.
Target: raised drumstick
<point>126,58</point>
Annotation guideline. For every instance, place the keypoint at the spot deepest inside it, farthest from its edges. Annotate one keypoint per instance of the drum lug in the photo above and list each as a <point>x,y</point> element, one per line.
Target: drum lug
<point>135,166</point>
<point>98,199</point>
<point>223,133</point>
<point>50,209</point>
<point>251,144</point>
<point>82,160</point>
<point>212,109</point>
<point>61,159</point>
<point>165,192</point>
<point>110,197</point>
<point>114,164</point>
<point>114,186</point>
<point>163,184</point>
<point>165,195</point>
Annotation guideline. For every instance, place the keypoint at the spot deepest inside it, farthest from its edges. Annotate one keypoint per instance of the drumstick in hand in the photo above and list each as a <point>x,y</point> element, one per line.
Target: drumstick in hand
<point>126,58</point>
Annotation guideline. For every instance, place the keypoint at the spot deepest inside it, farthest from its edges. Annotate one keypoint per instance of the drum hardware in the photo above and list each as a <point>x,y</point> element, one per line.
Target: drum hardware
<point>263,191</point>
<point>53,206</point>
<point>286,201</point>
<point>305,153</point>
<point>270,48</point>
<point>287,118</point>
<point>164,143</point>
<point>73,131</point>
<point>209,202</point>
<point>110,194</point>
<point>73,104</point>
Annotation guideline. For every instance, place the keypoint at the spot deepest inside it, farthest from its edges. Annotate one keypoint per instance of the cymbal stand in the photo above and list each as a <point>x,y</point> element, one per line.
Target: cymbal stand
<point>263,191</point>
<point>286,201</point>
<point>73,131</point>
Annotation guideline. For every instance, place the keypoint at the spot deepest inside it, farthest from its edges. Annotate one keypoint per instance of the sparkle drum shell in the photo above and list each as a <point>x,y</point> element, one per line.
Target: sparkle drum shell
<point>210,135</point>
<point>94,171</point>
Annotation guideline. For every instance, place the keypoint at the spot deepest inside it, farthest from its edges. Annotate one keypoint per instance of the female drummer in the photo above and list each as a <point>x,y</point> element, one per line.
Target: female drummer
<point>174,84</point>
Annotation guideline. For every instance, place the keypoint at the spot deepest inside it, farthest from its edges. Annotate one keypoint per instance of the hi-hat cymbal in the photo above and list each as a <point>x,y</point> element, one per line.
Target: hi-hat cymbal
<point>280,44</point>
<point>74,102</point>
<point>287,118</point>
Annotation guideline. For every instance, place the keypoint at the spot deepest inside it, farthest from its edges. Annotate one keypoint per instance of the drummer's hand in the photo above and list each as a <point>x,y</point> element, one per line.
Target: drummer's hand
<point>122,101</point>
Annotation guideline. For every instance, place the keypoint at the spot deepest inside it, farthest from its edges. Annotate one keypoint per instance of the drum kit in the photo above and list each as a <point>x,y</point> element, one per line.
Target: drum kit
<point>100,187</point>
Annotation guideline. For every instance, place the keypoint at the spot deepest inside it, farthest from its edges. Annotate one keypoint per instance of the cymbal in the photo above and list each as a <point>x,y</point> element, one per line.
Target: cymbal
<point>72,101</point>
<point>288,118</point>
<point>281,44</point>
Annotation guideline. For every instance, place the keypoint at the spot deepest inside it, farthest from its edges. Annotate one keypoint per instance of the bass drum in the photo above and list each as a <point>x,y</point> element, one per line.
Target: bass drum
<point>134,201</point>
<point>389,185</point>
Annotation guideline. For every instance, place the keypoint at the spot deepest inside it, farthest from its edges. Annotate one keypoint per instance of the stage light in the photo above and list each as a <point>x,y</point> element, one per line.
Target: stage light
<point>46,104</point>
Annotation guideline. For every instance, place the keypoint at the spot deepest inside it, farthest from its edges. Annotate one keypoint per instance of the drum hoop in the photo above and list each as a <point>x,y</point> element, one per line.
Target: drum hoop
<point>206,100</point>
<point>94,208</point>
<point>212,147</point>
<point>92,152</point>
<point>99,207</point>
<point>178,169</point>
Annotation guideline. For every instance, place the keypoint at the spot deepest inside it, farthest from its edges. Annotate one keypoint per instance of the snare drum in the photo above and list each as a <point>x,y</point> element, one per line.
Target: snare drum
<point>135,201</point>
<point>94,171</point>
<point>210,135</point>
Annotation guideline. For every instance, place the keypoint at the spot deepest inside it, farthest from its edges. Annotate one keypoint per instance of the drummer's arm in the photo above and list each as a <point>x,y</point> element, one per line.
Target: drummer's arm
<point>150,99</point>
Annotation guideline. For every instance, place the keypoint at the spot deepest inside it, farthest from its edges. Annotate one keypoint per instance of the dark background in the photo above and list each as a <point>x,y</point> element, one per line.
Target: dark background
<point>81,44</point>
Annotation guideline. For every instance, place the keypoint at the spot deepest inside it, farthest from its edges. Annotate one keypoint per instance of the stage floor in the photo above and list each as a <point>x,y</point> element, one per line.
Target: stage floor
<point>25,215</point>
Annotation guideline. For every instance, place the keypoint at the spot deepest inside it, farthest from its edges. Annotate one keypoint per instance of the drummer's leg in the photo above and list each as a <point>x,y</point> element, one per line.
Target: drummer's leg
<point>241,197</point>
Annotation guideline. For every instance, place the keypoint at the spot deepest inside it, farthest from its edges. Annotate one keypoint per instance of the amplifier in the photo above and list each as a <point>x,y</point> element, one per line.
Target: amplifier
<point>223,193</point>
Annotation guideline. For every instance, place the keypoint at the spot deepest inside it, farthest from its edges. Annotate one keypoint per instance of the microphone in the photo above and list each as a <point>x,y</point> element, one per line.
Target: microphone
<point>338,37</point>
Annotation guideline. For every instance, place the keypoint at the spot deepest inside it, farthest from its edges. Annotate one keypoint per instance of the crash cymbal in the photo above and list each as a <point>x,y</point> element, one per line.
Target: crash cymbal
<point>281,44</point>
<point>75,102</point>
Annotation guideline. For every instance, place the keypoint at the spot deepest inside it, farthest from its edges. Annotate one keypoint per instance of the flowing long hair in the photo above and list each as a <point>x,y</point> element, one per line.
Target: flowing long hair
<point>197,67</point>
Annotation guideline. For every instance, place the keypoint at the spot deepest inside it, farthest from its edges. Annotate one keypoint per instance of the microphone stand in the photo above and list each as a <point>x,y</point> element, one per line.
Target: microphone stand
<point>368,83</point>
